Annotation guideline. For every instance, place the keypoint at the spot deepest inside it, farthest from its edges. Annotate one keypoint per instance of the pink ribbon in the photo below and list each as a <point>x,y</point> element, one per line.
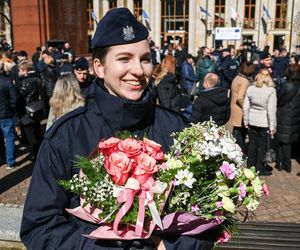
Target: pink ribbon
<point>127,195</point>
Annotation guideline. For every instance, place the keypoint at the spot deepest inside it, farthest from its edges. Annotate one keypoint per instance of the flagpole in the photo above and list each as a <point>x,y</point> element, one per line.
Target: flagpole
<point>291,29</point>
<point>258,36</point>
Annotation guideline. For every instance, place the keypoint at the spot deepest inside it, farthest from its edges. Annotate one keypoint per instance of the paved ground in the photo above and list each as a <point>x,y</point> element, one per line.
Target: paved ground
<point>283,205</point>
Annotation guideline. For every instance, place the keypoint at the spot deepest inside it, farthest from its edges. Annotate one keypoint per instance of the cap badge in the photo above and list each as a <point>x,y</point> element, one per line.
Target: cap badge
<point>128,33</point>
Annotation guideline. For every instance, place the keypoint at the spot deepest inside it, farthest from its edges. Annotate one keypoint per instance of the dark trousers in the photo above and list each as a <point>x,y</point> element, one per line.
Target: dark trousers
<point>284,155</point>
<point>258,138</point>
<point>239,133</point>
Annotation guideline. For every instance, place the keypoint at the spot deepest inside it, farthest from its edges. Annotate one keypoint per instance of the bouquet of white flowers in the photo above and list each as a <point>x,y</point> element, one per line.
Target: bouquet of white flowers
<point>209,178</point>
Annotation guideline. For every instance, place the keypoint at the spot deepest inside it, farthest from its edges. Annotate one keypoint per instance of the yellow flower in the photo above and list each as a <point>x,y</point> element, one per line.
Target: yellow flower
<point>257,186</point>
<point>228,204</point>
<point>248,173</point>
<point>253,204</point>
<point>173,163</point>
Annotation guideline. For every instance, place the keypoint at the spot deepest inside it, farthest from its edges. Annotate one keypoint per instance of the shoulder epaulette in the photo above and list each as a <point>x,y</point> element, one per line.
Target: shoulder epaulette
<point>52,130</point>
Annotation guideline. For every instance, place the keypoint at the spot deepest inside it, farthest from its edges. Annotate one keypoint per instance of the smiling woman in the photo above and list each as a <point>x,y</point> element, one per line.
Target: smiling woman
<point>126,69</point>
<point>122,101</point>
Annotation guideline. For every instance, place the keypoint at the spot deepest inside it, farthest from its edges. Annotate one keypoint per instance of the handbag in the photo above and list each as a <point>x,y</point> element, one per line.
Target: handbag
<point>35,110</point>
<point>270,155</point>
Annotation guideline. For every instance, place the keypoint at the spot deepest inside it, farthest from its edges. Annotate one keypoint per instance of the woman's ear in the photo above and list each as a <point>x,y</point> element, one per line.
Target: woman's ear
<point>98,68</point>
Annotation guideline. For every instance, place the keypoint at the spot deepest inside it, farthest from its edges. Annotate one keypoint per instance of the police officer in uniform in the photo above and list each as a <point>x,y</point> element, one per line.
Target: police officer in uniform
<point>122,62</point>
<point>85,80</point>
<point>228,69</point>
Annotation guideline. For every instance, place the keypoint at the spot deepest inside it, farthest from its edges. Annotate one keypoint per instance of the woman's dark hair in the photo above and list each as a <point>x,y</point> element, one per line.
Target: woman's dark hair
<point>247,68</point>
<point>292,73</point>
<point>100,53</point>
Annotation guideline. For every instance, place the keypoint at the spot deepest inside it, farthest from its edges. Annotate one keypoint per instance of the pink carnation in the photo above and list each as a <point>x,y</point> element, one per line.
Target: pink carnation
<point>224,237</point>
<point>265,189</point>
<point>242,191</point>
<point>228,170</point>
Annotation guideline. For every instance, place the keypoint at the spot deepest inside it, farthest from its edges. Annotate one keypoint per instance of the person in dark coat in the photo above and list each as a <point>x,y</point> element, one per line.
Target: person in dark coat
<point>212,103</point>
<point>49,77</point>
<point>29,90</point>
<point>188,74</point>
<point>7,114</point>
<point>85,80</point>
<point>288,113</point>
<point>228,69</point>
<point>167,88</point>
<point>122,102</point>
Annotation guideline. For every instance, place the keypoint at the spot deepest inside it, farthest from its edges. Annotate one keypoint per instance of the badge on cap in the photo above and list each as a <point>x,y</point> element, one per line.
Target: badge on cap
<point>128,33</point>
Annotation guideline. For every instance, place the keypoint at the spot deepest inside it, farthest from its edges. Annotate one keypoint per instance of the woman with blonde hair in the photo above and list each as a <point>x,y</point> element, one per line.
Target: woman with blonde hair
<point>259,113</point>
<point>66,97</point>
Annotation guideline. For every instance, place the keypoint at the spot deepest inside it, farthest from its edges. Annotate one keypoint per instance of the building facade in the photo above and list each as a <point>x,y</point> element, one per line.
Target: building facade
<point>274,23</point>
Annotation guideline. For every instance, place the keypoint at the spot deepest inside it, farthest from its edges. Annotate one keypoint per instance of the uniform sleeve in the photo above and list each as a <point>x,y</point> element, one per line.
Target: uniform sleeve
<point>12,96</point>
<point>45,223</point>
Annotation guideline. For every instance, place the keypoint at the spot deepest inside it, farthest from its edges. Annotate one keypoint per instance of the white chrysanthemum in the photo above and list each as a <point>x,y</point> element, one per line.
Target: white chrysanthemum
<point>228,204</point>
<point>184,177</point>
<point>252,205</point>
<point>257,186</point>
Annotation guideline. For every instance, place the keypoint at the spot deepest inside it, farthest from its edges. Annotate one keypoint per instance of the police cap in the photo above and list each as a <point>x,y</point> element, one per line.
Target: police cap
<point>118,26</point>
<point>263,55</point>
<point>81,64</point>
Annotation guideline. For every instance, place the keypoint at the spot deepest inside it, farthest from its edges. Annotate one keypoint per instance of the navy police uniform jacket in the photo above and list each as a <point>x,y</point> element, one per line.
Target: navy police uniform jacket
<point>45,223</point>
<point>228,71</point>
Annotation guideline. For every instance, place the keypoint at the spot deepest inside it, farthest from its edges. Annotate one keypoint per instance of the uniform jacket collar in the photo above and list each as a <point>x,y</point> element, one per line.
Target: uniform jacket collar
<point>123,114</point>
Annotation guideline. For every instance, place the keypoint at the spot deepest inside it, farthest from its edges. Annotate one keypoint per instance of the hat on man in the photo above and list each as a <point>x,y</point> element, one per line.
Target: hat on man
<point>118,26</point>
<point>226,50</point>
<point>81,64</point>
<point>263,55</point>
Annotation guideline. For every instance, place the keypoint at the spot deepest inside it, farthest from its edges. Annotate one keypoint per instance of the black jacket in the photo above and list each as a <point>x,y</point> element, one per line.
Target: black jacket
<point>49,76</point>
<point>29,87</point>
<point>7,98</point>
<point>168,92</point>
<point>228,71</point>
<point>211,103</point>
<point>45,223</point>
<point>288,113</point>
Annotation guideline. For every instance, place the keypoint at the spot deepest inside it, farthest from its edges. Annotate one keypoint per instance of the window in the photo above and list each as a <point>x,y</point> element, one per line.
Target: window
<point>112,4</point>
<point>89,17</point>
<point>219,13</point>
<point>249,20</point>
<point>281,14</point>
<point>174,21</point>
<point>137,9</point>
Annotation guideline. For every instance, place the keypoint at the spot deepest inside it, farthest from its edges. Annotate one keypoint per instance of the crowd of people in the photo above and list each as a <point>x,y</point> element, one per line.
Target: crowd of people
<point>50,84</point>
<point>253,92</point>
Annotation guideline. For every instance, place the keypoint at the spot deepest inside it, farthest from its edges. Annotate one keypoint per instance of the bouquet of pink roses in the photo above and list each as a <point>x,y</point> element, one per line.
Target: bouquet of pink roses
<point>118,188</point>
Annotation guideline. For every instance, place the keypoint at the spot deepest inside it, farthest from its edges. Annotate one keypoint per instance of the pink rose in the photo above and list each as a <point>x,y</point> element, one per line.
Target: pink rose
<point>145,167</point>
<point>106,146</point>
<point>153,149</point>
<point>118,165</point>
<point>265,189</point>
<point>130,146</point>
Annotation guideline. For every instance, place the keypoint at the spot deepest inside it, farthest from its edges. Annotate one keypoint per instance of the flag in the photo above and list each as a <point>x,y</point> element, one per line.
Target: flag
<point>94,16</point>
<point>145,15</point>
<point>204,11</point>
<point>266,12</point>
<point>234,13</point>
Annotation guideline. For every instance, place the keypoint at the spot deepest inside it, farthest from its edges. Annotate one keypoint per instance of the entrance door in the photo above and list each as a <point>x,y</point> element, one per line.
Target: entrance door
<point>174,38</point>
<point>278,41</point>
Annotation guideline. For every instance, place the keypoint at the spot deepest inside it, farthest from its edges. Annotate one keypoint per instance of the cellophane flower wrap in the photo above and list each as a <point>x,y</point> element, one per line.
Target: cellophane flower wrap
<point>210,181</point>
<point>118,188</point>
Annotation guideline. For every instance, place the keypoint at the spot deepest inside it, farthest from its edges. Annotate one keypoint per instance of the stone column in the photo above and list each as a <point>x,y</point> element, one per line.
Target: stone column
<point>192,45</point>
<point>130,5</point>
